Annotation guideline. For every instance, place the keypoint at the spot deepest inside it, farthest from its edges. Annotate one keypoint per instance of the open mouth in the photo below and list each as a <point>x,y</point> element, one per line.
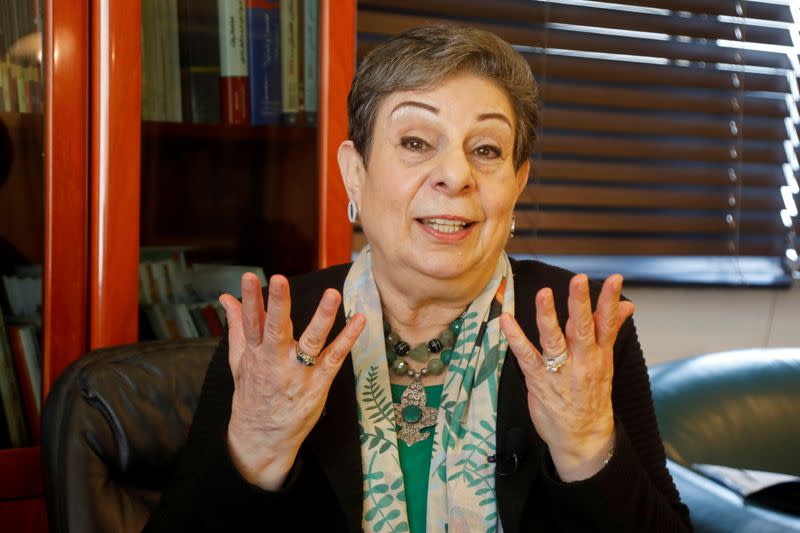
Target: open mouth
<point>444,225</point>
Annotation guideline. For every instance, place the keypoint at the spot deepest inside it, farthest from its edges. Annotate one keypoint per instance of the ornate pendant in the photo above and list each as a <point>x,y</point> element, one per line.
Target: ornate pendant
<point>412,414</point>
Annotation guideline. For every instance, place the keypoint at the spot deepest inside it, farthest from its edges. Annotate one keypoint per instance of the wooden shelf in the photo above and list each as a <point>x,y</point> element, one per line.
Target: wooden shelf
<point>229,132</point>
<point>21,473</point>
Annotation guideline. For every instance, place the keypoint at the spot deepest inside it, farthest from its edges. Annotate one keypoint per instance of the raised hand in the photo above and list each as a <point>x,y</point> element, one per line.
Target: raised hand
<point>571,407</point>
<point>277,399</point>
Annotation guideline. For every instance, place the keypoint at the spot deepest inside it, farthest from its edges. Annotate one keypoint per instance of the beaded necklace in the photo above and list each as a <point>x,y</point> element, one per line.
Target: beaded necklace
<point>412,413</point>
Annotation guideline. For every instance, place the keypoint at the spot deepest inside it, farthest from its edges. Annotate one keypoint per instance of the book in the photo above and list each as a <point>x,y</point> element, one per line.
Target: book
<point>5,82</point>
<point>158,276</point>
<point>10,393</point>
<point>25,348</point>
<point>206,282</point>
<point>196,310</point>
<point>161,82</point>
<point>223,318</point>
<point>264,61</point>
<point>235,104</point>
<point>310,60</point>
<point>146,288</point>
<point>168,319</point>
<point>172,107</point>
<point>290,59</point>
<point>184,321</point>
<point>152,62</point>
<point>200,61</point>
<point>215,324</point>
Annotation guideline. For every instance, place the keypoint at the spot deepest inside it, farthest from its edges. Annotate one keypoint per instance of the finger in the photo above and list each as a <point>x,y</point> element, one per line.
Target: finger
<point>313,338</point>
<point>550,334</point>
<point>525,352</point>
<point>337,350</point>
<point>233,316</point>
<point>580,326</point>
<point>278,323</point>
<point>625,310</point>
<point>252,309</point>
<point>606,316</point>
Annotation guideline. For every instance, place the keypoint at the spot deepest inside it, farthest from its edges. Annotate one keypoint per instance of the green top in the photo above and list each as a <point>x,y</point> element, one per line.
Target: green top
<point>415,462</point>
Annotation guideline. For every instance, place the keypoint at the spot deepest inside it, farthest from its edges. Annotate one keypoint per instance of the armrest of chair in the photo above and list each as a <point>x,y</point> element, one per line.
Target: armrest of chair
<point>715,508</point>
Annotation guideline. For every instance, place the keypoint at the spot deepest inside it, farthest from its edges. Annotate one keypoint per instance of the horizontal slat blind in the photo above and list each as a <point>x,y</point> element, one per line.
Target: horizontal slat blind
<point>668,127</point>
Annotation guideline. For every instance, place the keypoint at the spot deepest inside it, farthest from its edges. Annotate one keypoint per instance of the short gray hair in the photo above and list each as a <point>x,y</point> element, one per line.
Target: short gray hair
<point>424,57</point>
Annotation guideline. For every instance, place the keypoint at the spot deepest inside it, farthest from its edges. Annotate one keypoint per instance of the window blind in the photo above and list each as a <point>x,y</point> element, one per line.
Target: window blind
<point>668,146</point>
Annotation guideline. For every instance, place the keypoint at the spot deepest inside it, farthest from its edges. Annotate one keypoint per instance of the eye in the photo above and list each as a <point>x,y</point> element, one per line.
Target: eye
<point>488,151</point>
<point>415,144</point>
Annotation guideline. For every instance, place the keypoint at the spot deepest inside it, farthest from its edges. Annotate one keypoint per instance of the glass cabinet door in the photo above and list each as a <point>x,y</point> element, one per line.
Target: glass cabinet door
<point>22,222</point>
<point>229,155</point>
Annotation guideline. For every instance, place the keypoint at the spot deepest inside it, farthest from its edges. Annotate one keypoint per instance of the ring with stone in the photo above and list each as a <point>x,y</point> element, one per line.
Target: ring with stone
<point>304,358</point>
<point>554,363</point>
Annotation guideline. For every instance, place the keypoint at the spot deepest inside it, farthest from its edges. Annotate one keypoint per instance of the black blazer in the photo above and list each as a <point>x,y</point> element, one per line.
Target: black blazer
<point>634,492</point>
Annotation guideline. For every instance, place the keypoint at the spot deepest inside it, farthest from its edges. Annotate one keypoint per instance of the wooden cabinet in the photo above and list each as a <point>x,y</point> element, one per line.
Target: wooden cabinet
<point>56,237</point>
<point>108,178</point>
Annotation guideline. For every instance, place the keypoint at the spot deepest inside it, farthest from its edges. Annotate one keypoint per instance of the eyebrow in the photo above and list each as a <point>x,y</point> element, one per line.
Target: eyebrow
<point>435,111</point>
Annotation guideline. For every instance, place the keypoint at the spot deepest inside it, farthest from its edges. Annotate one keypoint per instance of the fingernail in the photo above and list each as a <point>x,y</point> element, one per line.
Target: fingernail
<point>548,298</point>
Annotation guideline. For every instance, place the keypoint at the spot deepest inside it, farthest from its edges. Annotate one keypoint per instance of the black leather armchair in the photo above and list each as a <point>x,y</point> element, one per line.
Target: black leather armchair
<point>739,409</point>
<point>111,429</point>
<point>116,418</point>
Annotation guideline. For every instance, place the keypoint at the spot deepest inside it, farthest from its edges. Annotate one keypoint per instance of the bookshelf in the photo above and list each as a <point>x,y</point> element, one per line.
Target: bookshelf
<point>106,175</point>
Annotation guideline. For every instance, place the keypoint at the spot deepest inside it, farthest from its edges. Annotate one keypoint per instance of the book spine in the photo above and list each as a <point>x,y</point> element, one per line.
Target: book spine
<point>5,80</point>
<point>264,61</point>
<point>199,320</point>
<point>150,59</point>
<point>172,108</point>
<point>235,105</point>
<point>26,381</point>
<point>311,60</point>
<point>159,279</point>
<point>18,74</point>
<point>167,317</point>
<point>198,29</point>
<point>146,288</point>
<point>9,392</point>
<point>184,321</point>
<point>223,318</point>
<point>212,320</point>
<point>290,59</point>
<point>33,355</point>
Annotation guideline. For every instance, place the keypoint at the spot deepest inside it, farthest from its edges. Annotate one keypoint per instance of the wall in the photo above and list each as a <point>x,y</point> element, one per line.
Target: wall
<point>679,322</point>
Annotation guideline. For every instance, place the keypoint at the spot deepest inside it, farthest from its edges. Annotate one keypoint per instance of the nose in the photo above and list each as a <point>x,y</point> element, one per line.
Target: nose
<point>453,173</point>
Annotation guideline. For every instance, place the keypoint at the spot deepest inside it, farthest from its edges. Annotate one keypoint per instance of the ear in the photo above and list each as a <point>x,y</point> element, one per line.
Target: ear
<point>522,176</point>
<point>351,166</point>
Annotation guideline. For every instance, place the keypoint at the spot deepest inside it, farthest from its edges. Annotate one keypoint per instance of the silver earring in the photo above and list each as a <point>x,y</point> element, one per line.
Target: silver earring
<point>513,225</point>
<point>352,212</point>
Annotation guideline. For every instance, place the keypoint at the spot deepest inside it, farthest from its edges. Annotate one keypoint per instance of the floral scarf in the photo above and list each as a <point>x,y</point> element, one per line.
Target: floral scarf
<point>461,492</point>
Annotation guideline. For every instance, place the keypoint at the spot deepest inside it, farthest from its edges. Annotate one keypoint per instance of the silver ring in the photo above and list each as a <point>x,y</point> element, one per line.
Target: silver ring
<point>305,358</point>
<point>553,364</point>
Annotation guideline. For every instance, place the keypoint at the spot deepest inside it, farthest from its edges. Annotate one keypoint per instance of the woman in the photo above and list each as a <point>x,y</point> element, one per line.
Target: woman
<point>412,390</point>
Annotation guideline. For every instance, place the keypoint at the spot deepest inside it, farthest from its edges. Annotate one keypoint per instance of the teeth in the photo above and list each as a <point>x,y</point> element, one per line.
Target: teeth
<point>443,225</point>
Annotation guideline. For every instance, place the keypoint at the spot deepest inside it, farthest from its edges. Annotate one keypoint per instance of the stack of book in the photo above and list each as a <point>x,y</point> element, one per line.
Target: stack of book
<point>20,358</point>
<point>20,56</point>
<point>230,61</point>
<point>181,301</point>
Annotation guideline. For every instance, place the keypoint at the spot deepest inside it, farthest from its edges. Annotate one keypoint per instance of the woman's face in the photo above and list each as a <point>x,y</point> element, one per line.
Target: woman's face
<point>438,193</point>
